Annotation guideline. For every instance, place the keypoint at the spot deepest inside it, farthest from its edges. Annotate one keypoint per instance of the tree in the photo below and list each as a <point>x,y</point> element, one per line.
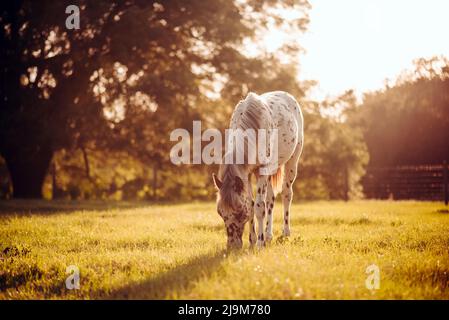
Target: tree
<point>408,123</point>
<point>335,153</point>
<point>132,71</point>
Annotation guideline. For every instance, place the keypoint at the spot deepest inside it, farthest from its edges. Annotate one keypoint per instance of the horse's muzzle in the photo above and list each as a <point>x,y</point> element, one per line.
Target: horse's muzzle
<point>235,244</point>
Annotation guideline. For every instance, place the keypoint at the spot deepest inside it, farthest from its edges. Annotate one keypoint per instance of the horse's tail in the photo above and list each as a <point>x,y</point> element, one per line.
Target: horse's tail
<point>277,179</point>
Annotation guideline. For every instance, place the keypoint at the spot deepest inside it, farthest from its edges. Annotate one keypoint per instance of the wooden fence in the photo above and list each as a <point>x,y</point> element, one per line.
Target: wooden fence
<point>421,182</point>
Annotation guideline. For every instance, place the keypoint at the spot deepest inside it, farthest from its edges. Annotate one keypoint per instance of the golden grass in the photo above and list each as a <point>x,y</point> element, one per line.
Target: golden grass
<point>177,251</point>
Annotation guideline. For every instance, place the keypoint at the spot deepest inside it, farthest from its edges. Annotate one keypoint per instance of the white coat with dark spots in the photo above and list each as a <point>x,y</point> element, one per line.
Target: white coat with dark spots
<point>273,110</point>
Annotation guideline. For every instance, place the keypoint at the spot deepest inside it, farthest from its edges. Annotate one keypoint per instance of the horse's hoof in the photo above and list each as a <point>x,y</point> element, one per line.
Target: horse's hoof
<point>286,233</point>
<point>269,237</point>
<point>260,244</point>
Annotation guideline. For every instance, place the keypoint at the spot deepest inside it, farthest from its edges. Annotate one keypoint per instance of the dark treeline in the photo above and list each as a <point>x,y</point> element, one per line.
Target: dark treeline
<point>408,123</point>
<point>88,113</point>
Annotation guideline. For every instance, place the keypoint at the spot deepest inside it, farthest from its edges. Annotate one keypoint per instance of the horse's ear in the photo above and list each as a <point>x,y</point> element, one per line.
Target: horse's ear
<point>252,95</point>
<point>238,185</point>
<point>217,181</point>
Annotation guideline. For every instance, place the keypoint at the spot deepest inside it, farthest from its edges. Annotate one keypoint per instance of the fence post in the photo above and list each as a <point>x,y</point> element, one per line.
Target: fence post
<point>155,182</point>
<point>445,183</point>
<point>346,185</point>
<point>54,187</point>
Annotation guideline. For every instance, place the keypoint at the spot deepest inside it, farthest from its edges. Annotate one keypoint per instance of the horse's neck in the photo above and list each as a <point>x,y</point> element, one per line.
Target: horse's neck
<point>241,171</point>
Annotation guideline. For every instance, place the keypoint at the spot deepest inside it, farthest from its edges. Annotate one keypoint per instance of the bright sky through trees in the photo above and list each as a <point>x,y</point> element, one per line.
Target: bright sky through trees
<point>358,44</point>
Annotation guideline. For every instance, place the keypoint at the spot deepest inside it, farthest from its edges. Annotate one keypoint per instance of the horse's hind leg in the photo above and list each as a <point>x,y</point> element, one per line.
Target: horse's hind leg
<point>291,168</point>
<point>270,205</point>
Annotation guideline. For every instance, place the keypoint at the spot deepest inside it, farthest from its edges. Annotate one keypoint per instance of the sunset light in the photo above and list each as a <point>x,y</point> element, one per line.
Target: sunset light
<point>353,44</point>
<point>246,152</point>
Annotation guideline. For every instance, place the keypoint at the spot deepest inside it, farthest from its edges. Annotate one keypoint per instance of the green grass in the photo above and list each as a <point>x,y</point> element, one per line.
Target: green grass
<point>177,251</point>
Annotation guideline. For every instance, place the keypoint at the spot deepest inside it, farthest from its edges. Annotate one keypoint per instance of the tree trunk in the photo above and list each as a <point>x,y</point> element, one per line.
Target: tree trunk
<point>28,171</point>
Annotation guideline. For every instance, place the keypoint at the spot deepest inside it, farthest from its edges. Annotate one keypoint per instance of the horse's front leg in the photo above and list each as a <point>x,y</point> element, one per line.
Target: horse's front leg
<point>252,225</point>
<point>270,209</point>
<point>260,208</point>
<point>252,231</point>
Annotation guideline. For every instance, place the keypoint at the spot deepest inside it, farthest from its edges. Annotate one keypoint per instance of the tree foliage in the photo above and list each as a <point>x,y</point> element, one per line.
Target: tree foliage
<point>335,153</point>
<point>130,74</point>
<point>408,123</point>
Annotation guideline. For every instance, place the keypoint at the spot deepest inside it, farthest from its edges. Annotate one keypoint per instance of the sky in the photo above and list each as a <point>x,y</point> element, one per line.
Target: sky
<point>357,44</point>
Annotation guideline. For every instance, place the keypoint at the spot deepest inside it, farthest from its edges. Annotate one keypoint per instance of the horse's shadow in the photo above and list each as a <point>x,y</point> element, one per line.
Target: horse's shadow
<point>172,282</point>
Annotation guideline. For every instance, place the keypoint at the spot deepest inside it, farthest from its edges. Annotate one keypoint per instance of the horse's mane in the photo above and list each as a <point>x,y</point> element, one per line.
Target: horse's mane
<point>249,114</point>
<point>252,113</point>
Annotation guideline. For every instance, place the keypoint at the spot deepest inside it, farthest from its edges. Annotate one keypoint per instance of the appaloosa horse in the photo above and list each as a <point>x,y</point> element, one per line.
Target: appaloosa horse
<point>273,110</point>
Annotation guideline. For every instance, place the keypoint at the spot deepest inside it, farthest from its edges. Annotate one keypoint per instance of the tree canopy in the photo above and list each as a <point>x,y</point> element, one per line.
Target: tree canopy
<point>407,123</point>
<point>133,71</point>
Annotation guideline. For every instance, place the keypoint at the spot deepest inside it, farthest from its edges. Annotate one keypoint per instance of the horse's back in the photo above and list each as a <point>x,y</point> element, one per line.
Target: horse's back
<point>288,120</point>
<point>284,107</point>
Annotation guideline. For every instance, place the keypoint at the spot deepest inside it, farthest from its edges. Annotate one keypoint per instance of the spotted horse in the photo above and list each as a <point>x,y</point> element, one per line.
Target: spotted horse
<point>235,204</point>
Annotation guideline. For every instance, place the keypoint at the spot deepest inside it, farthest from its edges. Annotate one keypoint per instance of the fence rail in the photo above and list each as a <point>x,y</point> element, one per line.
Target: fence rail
<point>420,182</point>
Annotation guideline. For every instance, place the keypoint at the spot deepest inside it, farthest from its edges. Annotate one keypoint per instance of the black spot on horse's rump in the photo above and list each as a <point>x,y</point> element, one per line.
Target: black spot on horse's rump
<point>286,213</point>
<point>287,184</point>
<point>252,203</point>
<point>271,205</point>
<point>258,190</point>
<point>272,198</point>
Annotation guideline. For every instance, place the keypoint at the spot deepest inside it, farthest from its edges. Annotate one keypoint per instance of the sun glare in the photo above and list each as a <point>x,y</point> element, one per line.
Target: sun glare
<point>353,44</point>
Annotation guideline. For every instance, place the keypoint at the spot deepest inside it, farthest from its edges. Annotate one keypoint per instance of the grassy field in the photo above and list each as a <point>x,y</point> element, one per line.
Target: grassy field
<point>177,252</point>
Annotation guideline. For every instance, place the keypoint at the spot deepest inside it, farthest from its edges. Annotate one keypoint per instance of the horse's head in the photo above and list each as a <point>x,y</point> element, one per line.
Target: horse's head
<point>234,206</point>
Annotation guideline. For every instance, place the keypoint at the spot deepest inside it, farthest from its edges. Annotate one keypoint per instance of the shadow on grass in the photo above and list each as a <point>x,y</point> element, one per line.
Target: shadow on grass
<point>44,207</point>
<point>174,281</point>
